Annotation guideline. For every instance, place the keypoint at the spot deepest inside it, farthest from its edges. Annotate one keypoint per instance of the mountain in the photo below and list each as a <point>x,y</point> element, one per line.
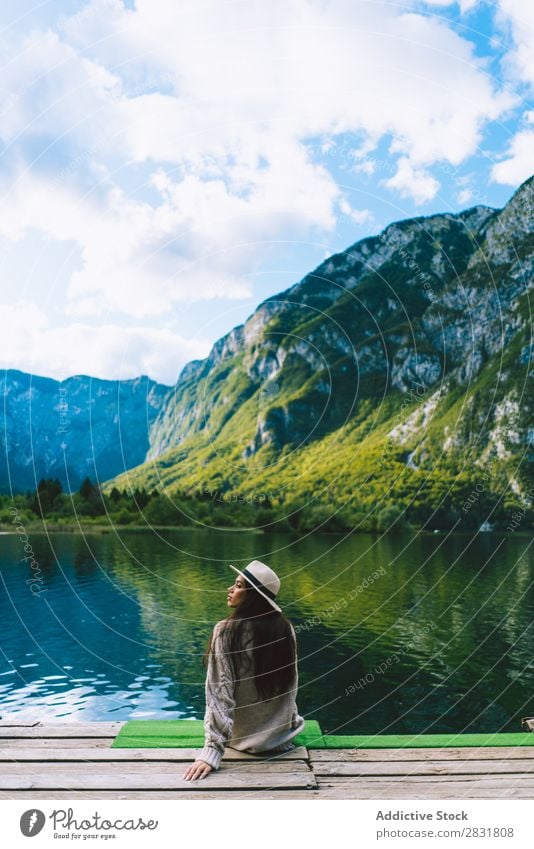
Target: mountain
<point>396,375</point>
<point>393,382</point>
<point>73,428</point>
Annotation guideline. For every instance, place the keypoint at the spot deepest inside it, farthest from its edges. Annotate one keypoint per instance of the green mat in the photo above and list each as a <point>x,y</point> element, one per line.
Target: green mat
<point>425,741</point>
<point>189,734</point>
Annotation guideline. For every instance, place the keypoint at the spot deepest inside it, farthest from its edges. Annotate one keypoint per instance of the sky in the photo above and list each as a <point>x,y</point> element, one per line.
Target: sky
<point>166,165</point>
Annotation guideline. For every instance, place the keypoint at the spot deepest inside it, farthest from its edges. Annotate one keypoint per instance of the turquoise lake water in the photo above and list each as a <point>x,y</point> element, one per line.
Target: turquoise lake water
<point>397,634</point>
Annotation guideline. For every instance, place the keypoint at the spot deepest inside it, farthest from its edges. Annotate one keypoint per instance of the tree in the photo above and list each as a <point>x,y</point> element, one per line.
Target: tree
<point>92,500</point>
<point>115,495</point>
<point>391,518</point>
<point>47,496</point>
<point>161,511</point>
<point>86,489</point>
<point>141,498</point>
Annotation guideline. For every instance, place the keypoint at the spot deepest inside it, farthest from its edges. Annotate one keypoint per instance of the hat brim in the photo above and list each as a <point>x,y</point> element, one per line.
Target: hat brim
<point>266,597</point>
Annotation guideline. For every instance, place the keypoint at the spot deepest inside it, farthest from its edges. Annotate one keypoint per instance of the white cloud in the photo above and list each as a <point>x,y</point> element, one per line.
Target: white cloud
<point>360,216</point>
<point>238,74</point>
<point>49,90</point>
<point>464,196</point>
<point>212,111</point>
<point>105,350</point>
<point>519,16</point>
<point>412,182</point>
<point>297,73</point>
<point>465,5</point>
<point>127,264</point>
<point>198,243</point>
<point>367,167</point>
<point>519,164</point>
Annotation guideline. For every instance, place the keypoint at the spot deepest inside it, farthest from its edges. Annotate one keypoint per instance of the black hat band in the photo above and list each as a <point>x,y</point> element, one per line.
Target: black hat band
<point>259,586</point>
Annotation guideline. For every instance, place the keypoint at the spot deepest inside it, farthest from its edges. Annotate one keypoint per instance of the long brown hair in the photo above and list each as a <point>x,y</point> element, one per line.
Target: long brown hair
<point>273,644</point>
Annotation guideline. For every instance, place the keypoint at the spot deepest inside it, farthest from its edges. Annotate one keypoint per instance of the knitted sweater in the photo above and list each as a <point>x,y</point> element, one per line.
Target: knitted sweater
<point>235,716</point>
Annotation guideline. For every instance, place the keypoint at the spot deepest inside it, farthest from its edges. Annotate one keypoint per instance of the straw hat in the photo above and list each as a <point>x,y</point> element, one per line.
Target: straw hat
<point>263,579</point>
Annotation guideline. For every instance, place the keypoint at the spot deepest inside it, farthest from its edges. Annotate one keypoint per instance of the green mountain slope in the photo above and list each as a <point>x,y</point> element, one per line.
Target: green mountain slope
<point>395,382</point>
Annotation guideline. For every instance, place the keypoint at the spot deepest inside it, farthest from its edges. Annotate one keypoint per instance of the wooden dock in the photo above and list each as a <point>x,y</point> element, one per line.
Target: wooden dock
<point>76,761</point>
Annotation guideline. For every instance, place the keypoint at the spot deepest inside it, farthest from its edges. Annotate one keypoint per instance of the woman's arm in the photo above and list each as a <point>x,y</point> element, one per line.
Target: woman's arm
<point>220,703</point>
<point>296,719</point>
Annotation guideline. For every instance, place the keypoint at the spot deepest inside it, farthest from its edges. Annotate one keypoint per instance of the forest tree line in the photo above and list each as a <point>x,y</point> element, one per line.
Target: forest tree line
<point>215,506</point>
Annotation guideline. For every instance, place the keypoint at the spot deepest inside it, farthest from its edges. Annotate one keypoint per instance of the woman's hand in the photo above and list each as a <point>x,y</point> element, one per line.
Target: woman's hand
<point>200,769</point>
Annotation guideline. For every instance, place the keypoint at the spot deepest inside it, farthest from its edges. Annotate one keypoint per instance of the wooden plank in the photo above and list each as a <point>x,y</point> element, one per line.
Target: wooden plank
<point>422,788</point>
<point>397,780</point>
<point>159,776</point>
<point>59,729</point>
<point>475,753</point>
<point>299,753</point>
<point>60,752</point>
<point>145,767</point>
<point>468,787</point>
<point>29,795</point>
<point>9,744</point>
<point>328,789</point>
<point>528,778</point>
<point>445,768</point>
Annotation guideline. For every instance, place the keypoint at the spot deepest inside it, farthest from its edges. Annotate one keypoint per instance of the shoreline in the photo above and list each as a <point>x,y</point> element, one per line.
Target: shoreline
<point>37,528</point>
<point>108,529</point>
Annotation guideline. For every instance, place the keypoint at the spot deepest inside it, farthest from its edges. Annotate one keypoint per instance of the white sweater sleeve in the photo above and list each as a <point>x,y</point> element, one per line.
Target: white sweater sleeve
<point>296,719</point>
<point>220,703</point>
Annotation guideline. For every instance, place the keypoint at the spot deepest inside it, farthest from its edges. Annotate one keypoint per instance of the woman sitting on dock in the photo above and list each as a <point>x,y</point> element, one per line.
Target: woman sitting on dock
<point>252,676</point>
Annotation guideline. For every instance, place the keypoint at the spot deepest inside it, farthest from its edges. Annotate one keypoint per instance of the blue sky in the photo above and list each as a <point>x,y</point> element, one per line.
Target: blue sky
<point>167,166</point>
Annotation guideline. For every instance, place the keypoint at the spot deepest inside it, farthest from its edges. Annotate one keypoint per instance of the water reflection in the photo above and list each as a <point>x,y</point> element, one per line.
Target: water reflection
<point>396,634</point>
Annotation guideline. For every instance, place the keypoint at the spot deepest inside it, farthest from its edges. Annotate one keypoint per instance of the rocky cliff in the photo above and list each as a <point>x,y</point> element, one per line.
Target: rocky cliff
<point>412,348</point>
<point>74,428</point>
<point>398,373</point>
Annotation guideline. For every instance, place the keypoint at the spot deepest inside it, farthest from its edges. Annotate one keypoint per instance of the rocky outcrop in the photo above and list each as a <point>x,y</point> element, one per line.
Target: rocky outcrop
<point>433,311</point>
<point>74,428</point>
<point>428,301</point>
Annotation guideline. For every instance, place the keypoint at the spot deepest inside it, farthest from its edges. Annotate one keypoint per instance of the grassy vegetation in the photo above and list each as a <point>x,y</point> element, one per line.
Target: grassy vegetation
<point>353,478</point>
<point>311,448</point>
<point>327,462</point>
